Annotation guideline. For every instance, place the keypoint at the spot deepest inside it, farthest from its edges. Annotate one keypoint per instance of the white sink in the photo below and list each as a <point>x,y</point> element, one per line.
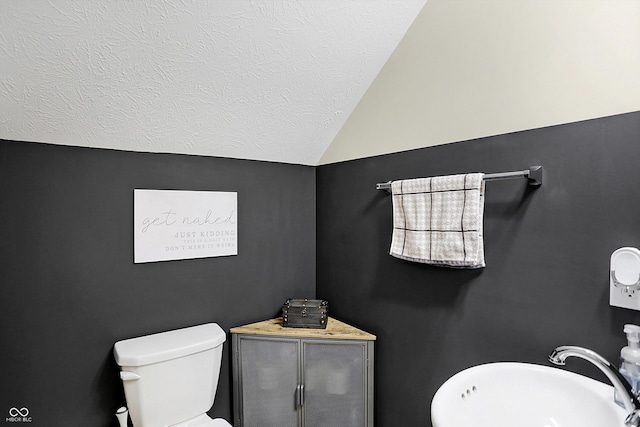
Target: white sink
<point>510,394</point>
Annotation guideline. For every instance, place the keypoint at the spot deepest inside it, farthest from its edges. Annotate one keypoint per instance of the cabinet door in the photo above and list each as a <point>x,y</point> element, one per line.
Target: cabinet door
<point>335,384</point>
<point>268,382</point>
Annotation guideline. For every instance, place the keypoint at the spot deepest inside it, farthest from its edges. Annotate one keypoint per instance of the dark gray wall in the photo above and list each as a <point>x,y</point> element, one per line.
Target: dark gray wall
<point>547,254</point>
<point>70,289</point>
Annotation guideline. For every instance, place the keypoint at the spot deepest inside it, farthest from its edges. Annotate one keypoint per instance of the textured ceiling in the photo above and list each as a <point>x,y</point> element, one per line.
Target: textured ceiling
<point>264,80</point>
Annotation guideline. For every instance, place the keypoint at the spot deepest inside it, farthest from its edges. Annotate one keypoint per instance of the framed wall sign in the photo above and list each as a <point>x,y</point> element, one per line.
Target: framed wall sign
<point>174,224</point>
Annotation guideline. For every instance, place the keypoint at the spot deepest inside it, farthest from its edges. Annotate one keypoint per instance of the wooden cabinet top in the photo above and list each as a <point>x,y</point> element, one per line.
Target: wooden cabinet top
<point>335,330</point>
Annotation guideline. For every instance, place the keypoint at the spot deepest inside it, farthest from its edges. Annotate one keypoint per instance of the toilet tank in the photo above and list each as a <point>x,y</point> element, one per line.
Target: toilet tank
<point>170,377</point>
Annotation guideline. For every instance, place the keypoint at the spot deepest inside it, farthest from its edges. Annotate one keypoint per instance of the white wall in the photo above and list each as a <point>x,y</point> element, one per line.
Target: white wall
<point>474,68</point>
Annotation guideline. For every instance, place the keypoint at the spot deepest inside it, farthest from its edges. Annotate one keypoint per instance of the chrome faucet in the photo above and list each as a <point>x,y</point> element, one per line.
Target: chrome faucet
<point>622,387</point>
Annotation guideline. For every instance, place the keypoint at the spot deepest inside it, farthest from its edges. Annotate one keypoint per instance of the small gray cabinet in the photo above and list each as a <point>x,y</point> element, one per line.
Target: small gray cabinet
<point>302,377</point>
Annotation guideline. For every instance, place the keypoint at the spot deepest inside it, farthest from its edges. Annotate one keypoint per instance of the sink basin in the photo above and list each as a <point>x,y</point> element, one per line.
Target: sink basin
<point>509,394</point>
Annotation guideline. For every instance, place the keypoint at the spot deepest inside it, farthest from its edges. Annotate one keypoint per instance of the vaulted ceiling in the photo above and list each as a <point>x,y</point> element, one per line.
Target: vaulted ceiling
<point>268,80</point>
<point>309,81</point>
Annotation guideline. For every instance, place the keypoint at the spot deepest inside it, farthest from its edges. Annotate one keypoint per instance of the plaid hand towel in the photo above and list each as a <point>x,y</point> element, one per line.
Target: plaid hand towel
<point>439,220</point>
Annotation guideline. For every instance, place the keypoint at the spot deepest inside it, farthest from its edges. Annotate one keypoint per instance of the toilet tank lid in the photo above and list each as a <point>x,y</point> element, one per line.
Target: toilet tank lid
<point>168,345</point>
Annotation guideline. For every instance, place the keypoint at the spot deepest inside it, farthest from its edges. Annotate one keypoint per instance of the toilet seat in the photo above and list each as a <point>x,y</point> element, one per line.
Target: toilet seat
<point>203,421</point>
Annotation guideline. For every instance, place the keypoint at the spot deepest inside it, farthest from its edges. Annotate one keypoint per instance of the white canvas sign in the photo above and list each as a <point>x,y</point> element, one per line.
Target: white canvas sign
<point>172,224</point>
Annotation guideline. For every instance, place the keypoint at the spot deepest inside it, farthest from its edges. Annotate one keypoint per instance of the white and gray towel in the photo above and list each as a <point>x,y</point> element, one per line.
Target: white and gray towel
<point>439,220</point>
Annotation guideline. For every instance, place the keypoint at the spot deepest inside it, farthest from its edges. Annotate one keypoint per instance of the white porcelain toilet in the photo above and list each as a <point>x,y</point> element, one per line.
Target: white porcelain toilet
<point>170,378</point>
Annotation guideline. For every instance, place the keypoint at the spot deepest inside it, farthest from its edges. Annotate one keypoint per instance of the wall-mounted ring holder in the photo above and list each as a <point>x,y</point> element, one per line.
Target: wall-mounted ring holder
<point>624,278</point>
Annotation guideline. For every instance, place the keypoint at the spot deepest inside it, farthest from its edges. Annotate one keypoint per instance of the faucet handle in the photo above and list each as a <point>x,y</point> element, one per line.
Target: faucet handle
<point>633,419</point>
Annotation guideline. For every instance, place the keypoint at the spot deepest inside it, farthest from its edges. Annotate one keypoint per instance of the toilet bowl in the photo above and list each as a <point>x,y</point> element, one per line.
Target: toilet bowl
<point>170,378</point>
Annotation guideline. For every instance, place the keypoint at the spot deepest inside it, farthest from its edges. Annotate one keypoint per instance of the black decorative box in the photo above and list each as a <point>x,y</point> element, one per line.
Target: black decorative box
<point>305,313</point>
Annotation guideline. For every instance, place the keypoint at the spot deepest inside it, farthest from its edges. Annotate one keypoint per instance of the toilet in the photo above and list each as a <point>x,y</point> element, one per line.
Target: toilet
<point>170,378</point>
